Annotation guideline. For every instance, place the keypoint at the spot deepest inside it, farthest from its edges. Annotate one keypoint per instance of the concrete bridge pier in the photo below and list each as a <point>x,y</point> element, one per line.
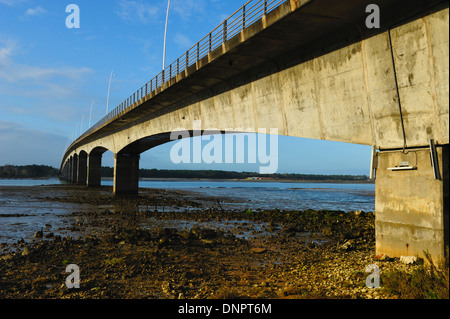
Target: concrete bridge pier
<point>411,202</point>
<point>82,169</point>
<point>74,169</point>
<point>65,172</point>
<point>126,174</point>
<point>94,168</point>
<point>69,170</point>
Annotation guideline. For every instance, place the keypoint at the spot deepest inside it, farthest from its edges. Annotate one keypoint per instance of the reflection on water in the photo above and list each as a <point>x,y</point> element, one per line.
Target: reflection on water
<point>21,215</point>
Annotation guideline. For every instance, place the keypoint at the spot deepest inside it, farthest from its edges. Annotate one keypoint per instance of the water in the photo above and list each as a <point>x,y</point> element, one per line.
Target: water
<point>21,214</point>
<point>277,195</point>
<point>257,194</point>
<point>30,182</point>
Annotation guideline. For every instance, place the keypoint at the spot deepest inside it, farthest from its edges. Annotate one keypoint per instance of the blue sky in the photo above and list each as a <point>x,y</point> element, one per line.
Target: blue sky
<point>50,74</point>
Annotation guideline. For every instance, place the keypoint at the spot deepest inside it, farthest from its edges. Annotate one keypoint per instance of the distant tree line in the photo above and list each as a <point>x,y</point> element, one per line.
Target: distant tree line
<point>13,171</point>
<point>217,174</point>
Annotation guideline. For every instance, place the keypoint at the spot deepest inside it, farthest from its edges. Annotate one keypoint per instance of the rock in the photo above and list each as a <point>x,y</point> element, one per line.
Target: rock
<point>327,231</point>
<point>26,251</point>
<point>166,287</point>
<point>204,233</point>
<point>408,260</point>
<point>258,250</point>
<point>49,235</point>
<point>39,234</point>
<point>359,213</point>
<point>7,256</point>
<point>348,245</point>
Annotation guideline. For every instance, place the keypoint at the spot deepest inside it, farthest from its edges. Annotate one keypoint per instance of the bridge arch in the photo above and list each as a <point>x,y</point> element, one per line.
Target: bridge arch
<point>320,73</point>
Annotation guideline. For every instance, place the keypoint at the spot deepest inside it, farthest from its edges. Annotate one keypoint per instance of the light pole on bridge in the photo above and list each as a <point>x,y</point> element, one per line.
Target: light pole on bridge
<point>165,36</point>
<point>109,87</point>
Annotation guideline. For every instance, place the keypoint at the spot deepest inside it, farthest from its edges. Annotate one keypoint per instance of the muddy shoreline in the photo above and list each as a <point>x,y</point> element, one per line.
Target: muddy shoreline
<point>178,245</point>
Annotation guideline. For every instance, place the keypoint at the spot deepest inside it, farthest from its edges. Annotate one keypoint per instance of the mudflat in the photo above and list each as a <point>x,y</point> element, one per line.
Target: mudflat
<point>176,245</point>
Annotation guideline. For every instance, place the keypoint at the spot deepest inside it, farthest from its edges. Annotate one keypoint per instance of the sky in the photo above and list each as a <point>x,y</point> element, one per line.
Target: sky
<point>50,74</point>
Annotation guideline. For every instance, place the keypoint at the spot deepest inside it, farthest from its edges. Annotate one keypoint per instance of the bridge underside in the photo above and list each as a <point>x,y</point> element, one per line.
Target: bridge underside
<point>312,69</point>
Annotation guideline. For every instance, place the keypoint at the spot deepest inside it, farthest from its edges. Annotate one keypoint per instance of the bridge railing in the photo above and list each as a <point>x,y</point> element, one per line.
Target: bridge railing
<point>242,18</point>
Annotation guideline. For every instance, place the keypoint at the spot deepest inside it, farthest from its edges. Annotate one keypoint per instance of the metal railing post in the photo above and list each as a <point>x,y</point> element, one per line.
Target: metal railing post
<point>243,17</point>
<point>198,51</point>
<point>210,42</point>
<point>265,7</point>
<point>225,31</point>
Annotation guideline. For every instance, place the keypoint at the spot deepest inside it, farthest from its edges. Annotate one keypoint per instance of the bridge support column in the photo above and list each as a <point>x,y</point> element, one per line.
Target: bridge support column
<point>74,170</point>
<point>69,170</point>
<point>94,176</point>
<point>126,174</point>
<point>82,169</point>
<point>411,205</point>
<point>65,172</point>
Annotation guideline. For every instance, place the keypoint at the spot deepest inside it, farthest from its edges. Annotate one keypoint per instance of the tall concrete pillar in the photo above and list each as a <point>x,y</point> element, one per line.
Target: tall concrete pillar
<point>82,168</point>
<point>74,173</point>
<point>67,171</point>
<point>411,203</point>
<point>94,177</point>
<point>126,174</point>
<point>64,172</point>
<point>70,169</point>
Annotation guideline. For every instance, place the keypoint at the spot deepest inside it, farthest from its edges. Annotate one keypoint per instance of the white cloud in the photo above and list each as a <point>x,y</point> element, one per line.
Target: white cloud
<point>183,41</point>
<point>11,71</point>
<point>187,9</point>
<point>137,11</point>
<point>43,90</point>
<point>12,2</point>
<point>34,12</point>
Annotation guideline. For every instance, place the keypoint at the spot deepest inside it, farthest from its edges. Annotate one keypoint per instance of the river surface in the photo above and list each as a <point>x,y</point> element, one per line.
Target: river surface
<point>21,214</point>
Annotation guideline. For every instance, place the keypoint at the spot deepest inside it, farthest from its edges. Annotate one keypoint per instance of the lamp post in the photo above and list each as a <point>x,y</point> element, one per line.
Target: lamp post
<point>90,114</point>
<point>165,36</point>
<point>109,87</point>
<point>81,127</point>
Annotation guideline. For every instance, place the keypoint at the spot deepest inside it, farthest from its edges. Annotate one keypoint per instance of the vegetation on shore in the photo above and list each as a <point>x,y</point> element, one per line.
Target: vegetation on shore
<point>27,171</point>
<point>37,171</point>
<point>427,281</point>
<point>218,174</point>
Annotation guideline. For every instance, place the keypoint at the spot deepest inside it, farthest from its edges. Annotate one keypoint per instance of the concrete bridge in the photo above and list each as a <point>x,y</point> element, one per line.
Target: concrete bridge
<point>310,68</point>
